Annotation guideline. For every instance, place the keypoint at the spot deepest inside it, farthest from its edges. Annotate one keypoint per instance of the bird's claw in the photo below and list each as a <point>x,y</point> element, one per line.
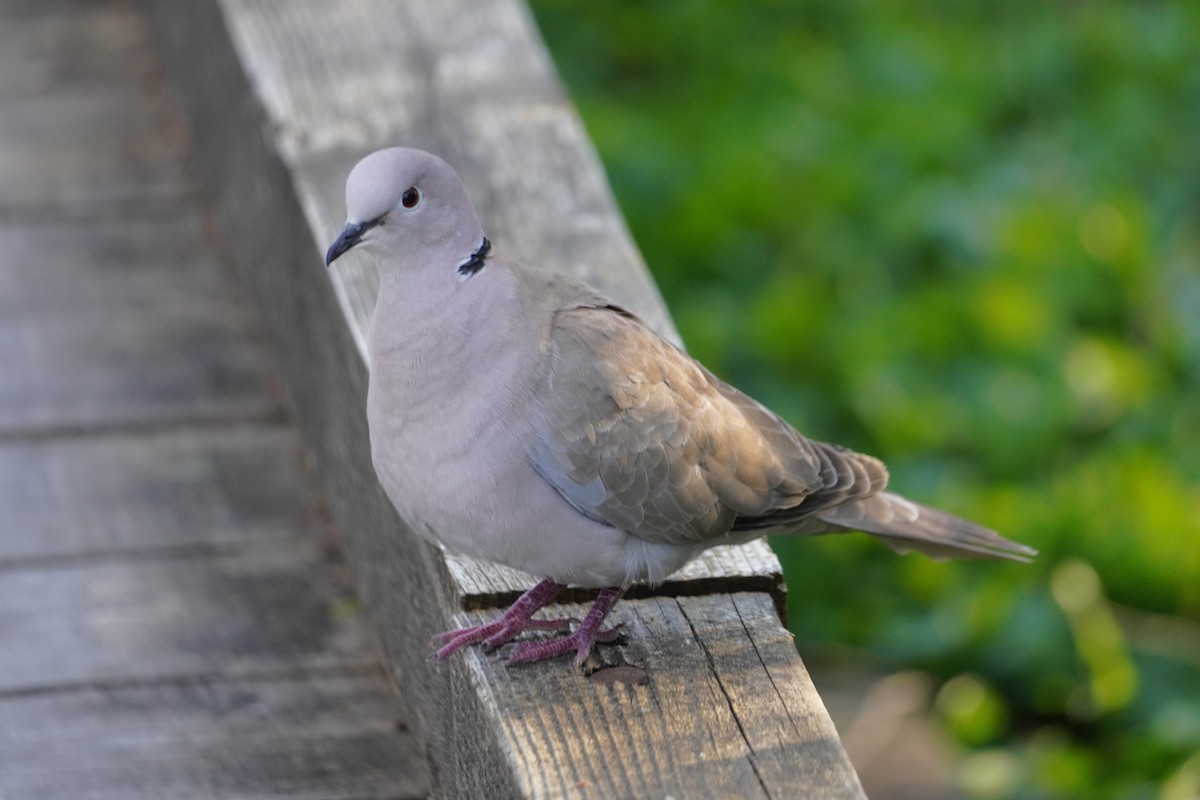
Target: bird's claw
<point>580,641</point>
<point>608,635</point>
<point>506,636</point>
<point>519,618</point>
<point>493,634</point>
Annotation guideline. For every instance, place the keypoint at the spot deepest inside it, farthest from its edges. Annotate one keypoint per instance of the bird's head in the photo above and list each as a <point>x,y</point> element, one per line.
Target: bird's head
<point>402,201</point>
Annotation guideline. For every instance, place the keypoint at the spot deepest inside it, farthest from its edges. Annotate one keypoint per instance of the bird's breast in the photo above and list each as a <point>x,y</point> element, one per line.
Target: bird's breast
<point>447,411</point>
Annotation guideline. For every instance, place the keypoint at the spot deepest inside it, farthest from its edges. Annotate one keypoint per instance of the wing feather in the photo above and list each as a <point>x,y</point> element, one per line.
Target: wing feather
<point>637,434</point>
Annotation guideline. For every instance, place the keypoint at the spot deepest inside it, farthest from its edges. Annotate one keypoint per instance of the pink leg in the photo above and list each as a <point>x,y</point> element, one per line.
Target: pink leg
<point>511,623</point>
<point>581,641</point>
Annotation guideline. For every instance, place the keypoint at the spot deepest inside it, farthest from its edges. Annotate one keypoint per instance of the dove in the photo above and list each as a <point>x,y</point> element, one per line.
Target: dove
<point>521,417</point>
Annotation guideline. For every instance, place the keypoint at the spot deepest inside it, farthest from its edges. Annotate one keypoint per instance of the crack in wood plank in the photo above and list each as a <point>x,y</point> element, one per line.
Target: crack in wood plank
<point>762,661</point>
<point>750,756</point>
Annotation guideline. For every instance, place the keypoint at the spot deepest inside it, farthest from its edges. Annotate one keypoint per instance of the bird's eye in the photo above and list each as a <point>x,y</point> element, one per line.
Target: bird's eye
<point>411,197</point>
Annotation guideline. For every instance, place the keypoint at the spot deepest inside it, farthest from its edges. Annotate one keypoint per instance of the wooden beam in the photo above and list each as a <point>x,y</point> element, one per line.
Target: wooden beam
<point>282,99</point>
<point>167,492</point>
<point>706,699</point>
<point>176,618</point>
<point>77,136</point>
<point>304,737</point>
<point>250,612</point>
<point>122,322</point>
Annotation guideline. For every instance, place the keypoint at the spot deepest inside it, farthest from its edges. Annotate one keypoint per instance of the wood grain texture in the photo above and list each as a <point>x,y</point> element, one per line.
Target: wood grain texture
<point>262,609</point>
<point>315,737</point>
<point>171,491</point>
<point>174,616</point>
<point>86,131</point>
<point>122,322</point>
<point>681,709</point>
<point>471,81</point>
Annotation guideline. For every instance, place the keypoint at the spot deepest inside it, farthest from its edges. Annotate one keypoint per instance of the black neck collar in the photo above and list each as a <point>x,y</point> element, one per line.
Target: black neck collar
<point>475,262</point>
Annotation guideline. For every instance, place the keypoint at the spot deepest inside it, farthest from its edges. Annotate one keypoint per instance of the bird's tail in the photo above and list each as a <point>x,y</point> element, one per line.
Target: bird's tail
<point>904,526</point>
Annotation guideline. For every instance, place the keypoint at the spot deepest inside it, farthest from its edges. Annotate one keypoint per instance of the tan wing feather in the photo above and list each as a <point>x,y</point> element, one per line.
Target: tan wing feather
<point>636,433</point>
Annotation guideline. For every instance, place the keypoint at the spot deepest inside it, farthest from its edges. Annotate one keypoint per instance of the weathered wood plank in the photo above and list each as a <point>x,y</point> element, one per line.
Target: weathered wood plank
<point>114,494</point>
<point>86,128</point>
<point>263,609</point>
<point>634,729</point>
<point>122,322</point>
<point>318,737</point>
<point>175,622</point>
<point>45,49</point>
<point>793,739</point>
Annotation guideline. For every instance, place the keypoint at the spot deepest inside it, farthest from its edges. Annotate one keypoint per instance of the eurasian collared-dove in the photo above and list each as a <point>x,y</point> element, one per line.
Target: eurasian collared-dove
<point>521,417</point>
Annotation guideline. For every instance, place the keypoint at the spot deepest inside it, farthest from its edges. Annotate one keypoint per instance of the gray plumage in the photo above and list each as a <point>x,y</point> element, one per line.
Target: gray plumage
<point>521,417</point>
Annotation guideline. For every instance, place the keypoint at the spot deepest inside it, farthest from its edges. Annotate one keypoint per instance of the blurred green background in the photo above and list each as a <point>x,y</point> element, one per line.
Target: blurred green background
<point>964,237</point>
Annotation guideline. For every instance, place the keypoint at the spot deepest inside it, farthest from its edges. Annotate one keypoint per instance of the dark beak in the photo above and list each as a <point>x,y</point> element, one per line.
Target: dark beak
<point>350,236</point>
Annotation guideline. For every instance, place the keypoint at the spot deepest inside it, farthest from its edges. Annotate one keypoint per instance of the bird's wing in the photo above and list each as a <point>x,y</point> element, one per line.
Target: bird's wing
<point>633,432</point>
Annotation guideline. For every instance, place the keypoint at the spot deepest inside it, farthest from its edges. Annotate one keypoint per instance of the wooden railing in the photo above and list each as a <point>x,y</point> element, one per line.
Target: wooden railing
<point>707,697</point>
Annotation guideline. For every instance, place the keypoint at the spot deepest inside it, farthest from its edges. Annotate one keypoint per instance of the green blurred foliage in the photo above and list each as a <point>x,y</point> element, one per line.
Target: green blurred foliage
<point>964,237</point>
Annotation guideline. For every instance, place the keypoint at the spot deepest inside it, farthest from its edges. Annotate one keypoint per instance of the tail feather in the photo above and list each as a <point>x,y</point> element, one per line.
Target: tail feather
<point>904,525</point>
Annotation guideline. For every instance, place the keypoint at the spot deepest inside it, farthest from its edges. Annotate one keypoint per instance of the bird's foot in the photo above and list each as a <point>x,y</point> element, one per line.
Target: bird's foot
<point>512,622</point>
<point>493,634</point>
<point>501,632</point>
<point>518,619</point>
<point>581,641</point>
